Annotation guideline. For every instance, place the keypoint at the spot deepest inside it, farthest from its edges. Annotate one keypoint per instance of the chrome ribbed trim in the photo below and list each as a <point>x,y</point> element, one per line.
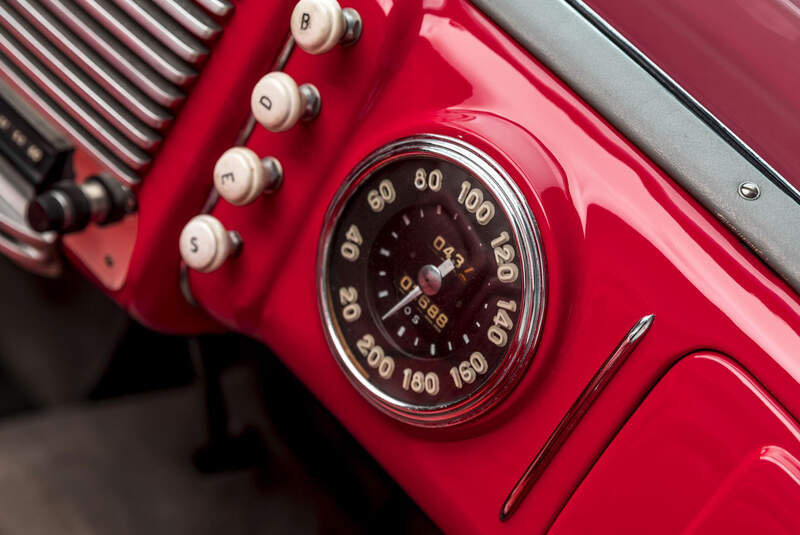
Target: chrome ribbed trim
<point>92,121</point>
<point>141,43</point>
<point>220,8</point>
<point>58,64</point>
<point>113,51</point>
<point>110,73</point>
<point>130,96</point>
<point>191,17</point>
<point>63,119</point>
<point>162,27</point>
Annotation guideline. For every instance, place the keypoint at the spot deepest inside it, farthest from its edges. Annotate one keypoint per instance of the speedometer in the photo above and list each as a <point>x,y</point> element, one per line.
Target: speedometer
<point>431,280</point>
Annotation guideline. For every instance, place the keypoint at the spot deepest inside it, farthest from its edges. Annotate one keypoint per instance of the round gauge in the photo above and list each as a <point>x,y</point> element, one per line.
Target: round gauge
<point>431,280</point>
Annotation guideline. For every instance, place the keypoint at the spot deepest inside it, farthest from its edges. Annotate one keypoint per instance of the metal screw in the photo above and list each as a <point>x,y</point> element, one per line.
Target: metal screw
<point>749,191</point>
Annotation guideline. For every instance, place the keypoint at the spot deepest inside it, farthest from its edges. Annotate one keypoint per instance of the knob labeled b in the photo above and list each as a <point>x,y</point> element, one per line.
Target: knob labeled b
<point>278,102</point>
<point>318,25</point>
<point>240,176</point>
<point>205,244</point>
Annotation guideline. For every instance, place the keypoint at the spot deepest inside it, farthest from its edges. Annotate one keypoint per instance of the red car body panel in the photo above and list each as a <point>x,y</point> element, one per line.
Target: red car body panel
<point>621,240</point>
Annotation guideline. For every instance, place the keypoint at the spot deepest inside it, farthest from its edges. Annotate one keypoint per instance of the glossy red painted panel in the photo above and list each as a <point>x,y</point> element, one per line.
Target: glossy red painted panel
<point>709,451</point>
<point>737,57</point>
<point>621,241</point>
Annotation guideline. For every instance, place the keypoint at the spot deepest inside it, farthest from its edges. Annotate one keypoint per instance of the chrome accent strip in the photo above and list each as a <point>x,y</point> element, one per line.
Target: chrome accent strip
<point>220,8</point>
<point>140,42</point>
<point>130,65</point>
<point>54,111</point>
<point>153,19</point>
<point>675,135</point>
<point>95,66</point>
<point>191,17</point>
<point>77,80</point>
<point>574,415</point>
<point>530,253</point>
<point>128,152</point>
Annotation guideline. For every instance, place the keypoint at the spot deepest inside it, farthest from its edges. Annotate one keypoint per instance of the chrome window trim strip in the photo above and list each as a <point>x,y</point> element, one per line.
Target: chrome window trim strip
<point>658,116</point>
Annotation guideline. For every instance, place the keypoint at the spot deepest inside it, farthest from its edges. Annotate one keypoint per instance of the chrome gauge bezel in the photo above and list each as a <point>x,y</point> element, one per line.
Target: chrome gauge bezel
<point>526,233</point>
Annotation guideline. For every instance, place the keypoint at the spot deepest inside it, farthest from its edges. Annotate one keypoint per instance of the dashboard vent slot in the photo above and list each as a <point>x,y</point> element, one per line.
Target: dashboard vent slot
<point>111,73</point>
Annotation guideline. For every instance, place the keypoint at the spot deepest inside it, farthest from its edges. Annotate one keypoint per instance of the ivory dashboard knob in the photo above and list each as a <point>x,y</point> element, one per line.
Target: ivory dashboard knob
<point>318,25</point>
<point>205,244</point>
<point>240,176</point>
<point>278,102</point>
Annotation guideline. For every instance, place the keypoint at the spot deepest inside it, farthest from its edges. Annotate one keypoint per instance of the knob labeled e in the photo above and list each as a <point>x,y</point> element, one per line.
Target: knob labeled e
<point>278,102</point>
<point>205,244</point>
<point>240,176</point>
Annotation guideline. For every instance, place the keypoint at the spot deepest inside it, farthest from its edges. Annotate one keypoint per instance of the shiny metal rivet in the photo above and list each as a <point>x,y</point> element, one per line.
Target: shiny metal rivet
<point>749,191</point>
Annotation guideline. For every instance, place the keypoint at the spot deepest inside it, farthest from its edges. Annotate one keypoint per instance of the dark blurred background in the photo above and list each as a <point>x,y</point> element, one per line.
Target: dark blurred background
<point>108,427</point>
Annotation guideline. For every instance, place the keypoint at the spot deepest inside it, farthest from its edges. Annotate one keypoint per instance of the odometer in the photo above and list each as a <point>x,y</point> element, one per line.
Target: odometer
<point>431,280</point>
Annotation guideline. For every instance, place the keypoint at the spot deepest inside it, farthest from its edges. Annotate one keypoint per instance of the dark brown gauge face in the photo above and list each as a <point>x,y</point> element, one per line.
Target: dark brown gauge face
<point>427,288</point>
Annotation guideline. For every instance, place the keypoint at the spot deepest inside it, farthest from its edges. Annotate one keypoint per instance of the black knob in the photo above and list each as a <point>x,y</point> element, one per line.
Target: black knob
<point>69,207</point>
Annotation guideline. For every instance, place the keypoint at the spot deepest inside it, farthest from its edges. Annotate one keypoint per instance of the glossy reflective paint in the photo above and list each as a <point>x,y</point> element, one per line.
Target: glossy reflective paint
<point>709,451</point>
<point>621,241</point>
<point>737,57</point>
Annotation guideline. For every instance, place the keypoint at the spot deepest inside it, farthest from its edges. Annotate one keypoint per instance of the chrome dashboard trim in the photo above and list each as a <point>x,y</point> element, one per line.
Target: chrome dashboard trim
<point>191,17</point>
<point>108,47</point>
<point>574,415</point>
<point>95,66</point>
<point>691,145</point>
<point>531,254</point>
<point>61,67</point>
<point>144,45</point>
<point>220,8</point>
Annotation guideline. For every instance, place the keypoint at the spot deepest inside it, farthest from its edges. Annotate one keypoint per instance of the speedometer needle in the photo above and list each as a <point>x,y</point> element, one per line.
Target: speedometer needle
<point>430,278</point>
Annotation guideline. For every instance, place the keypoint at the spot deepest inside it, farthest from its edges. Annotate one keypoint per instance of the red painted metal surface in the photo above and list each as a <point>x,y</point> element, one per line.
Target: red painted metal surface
<point>709,451</point>
<point>620,238</point>
<point>737,57</point>
<point>621,241</point>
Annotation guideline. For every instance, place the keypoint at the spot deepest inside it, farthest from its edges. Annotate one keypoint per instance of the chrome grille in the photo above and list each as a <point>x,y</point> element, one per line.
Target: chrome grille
<point>111,73</point>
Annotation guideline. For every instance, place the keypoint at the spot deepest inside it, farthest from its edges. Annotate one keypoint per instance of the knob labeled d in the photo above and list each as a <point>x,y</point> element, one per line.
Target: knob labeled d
<point>240,176</point>
<point>205,244</point>
<point>278,102</point>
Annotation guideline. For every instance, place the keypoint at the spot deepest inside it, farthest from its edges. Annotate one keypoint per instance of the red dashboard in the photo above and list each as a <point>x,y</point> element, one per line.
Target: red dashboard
<point>694,433</point>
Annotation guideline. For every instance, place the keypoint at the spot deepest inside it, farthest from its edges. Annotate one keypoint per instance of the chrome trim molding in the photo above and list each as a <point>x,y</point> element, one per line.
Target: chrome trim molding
<point>524,227</point>
<point>110,74</point>
<point>574,415</point>
<point>662,119</point>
